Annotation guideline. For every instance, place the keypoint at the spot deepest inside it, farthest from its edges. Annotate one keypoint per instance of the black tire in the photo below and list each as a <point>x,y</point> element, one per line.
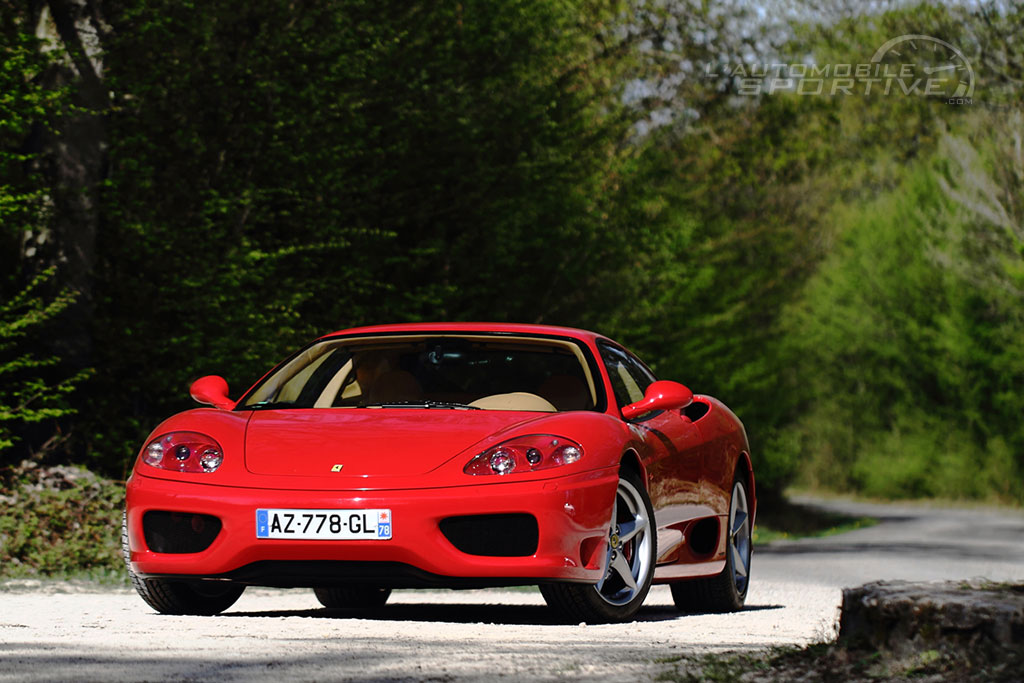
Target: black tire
<point>727,591</point>
<point>352,597</point>
<point>615,598</point>
<point>179,597</point>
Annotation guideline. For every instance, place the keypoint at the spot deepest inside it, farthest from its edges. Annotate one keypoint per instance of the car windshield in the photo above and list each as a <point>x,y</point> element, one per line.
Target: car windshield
<point>467,372</point>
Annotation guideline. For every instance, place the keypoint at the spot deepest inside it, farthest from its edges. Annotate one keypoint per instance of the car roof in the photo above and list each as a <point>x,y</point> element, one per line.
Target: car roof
<point>499,328</point>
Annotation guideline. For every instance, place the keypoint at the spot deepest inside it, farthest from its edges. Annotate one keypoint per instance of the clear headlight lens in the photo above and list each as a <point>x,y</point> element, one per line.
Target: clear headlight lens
<point>183,452</point>
<point>525,454</point>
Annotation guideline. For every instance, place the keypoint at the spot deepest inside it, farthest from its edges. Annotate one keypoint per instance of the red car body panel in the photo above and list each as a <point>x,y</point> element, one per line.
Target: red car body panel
<point>417,541</point>
<point>411,461</point>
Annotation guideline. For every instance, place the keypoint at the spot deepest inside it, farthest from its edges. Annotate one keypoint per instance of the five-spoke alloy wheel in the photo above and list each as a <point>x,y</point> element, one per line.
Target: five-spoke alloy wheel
<point>739,545</point>
<point>628,567</point>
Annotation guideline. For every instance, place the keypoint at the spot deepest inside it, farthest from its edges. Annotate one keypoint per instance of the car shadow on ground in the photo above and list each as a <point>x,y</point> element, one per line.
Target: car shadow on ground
<point>515,615</point>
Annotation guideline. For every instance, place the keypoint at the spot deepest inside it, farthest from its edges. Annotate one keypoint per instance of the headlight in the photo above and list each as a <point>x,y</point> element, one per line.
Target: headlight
<point>525,454</point>
<point>183,452</point>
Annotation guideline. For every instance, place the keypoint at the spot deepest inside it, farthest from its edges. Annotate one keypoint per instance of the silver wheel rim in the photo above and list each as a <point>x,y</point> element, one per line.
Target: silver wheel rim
<point>628,560</point>
<point>739,538</point>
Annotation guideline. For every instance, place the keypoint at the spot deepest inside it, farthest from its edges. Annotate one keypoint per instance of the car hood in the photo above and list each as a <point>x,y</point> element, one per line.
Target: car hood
<point>367,442</point>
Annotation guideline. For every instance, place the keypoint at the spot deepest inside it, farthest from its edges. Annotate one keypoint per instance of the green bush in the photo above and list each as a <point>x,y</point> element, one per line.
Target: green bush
<point>921,456</point>
<point>60,521</point>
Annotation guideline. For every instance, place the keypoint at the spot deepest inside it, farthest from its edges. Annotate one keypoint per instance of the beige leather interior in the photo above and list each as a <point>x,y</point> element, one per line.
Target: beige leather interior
<point>590,386</point>
<point>517,400</point>
<point>557,393</point>
<point>293,386</point>
<point>330,392</point>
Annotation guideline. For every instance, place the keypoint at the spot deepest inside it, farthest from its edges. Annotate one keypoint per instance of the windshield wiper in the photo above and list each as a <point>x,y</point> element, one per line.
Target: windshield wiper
<point>422,403</point>
<point>269,405</point>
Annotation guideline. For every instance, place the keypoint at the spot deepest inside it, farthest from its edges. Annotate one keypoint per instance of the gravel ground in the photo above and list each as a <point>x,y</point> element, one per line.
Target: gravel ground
<point>59,631</point>
<point>54,632</point>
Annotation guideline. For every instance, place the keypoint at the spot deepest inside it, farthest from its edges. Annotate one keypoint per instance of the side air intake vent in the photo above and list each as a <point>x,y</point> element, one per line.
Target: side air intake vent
<point>179,532</point>
<point>511,535</point>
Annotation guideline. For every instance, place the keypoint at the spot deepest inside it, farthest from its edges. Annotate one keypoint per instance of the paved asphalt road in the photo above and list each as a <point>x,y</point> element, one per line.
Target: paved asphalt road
<point>68,632</point>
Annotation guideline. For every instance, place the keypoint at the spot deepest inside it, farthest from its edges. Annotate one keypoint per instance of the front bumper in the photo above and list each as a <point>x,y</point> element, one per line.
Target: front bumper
<point>573,515</point>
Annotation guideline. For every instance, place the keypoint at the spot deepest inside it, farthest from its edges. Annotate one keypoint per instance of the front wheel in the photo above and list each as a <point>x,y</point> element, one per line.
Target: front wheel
<point>727,591</point>
<point>629,563</point>
<point>346,597</point>
<point>179,597</point>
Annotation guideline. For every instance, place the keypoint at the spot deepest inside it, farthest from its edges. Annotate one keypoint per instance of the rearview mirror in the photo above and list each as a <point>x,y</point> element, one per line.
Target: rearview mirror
<point>660,395</point>
<point>212,390</point>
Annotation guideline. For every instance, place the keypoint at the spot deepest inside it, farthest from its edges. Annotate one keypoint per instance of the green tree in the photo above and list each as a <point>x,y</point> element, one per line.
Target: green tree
<point>30,396</point>
<point>906,338</point>
<point>34,388</point>
<point>910,359</point>
<point>279,170</point>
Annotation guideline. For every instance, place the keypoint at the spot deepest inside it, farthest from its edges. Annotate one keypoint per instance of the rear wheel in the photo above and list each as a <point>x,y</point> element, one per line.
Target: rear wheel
<point>727,591</point>
<point>350,597</point>
<point>179,597</point>
<point>629,563</point>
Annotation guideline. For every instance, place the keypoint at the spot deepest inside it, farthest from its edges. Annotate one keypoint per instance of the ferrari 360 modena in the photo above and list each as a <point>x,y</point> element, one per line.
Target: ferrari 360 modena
<point>448,455</point>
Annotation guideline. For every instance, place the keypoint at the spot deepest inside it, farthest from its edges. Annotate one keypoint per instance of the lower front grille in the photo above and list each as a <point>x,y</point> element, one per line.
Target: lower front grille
<point>179,532</point>
<point>508,535</point>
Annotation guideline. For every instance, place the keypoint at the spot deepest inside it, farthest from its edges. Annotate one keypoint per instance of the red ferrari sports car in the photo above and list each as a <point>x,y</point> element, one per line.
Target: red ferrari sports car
<point>446,455</point>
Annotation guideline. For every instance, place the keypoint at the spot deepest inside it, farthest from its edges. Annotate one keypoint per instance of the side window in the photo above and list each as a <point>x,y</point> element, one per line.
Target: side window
<point>628,376</point>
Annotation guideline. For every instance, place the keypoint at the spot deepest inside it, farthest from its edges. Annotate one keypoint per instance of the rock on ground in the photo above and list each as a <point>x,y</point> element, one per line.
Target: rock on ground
<point>975,618</point>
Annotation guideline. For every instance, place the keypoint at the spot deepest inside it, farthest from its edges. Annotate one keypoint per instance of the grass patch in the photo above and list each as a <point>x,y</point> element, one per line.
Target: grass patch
<point>85,581</point>
<point>834,662</point>
<point>786,520</point>
<point>716,668</point>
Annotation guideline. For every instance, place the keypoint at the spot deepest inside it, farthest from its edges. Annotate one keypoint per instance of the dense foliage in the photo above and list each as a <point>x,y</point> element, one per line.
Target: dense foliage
<point>60,520</point>
<point>31,396</point>
<point>906,341</point>
<point>33,390</point>
<point>353,164</point>
<point>844,271</point>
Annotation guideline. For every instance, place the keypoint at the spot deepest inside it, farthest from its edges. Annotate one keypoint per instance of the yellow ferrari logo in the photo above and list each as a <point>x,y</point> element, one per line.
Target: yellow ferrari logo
<point>336,468</point>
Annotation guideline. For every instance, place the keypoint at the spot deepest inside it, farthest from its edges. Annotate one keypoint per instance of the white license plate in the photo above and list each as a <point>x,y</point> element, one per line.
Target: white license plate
<point>338,525</point>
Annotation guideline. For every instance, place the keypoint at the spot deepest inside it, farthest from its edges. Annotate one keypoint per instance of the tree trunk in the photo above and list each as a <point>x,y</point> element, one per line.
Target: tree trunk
<point>75,160</point>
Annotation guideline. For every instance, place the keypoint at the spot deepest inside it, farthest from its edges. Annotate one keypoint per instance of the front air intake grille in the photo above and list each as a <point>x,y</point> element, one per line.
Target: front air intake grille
<point>511,535</point>
<point>179,532</point>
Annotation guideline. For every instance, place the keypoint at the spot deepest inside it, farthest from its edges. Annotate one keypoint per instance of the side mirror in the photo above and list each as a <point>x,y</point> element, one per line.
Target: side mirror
<point>212,390</point>
<point>661,395</point>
